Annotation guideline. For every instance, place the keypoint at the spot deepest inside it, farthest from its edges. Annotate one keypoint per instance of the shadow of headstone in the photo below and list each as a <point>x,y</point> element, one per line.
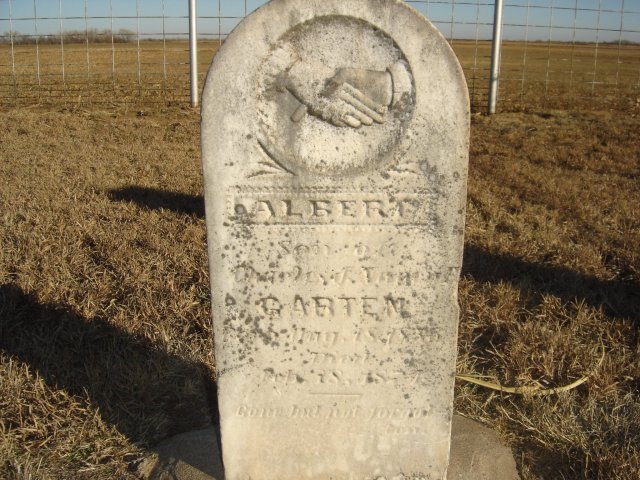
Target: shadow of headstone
<point>158,199</point>
<point>145,392</point>
<point>618,299</point>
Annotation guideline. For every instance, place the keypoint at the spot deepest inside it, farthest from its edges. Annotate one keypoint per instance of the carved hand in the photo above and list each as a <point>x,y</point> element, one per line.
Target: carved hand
<point>344,105</point>
<point>378,86</point>
<point>341,100</point>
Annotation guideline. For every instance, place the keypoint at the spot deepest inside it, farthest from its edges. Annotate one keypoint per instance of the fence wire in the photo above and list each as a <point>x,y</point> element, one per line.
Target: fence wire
<point>579,54</point>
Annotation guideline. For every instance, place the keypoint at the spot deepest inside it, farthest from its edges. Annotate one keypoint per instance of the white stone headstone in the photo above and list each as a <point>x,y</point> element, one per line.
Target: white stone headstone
<point>335,148</point>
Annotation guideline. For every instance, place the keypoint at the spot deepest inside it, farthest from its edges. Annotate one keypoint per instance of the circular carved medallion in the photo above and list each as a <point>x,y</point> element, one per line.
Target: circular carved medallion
<point>336,94</point>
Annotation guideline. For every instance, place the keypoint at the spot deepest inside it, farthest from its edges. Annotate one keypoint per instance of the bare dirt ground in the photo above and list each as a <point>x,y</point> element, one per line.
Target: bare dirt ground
<point>105,334</point>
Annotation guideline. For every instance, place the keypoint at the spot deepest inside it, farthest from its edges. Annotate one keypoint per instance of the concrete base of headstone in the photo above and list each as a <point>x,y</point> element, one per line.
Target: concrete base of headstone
<point>476,454</point>
<point>188,456</point>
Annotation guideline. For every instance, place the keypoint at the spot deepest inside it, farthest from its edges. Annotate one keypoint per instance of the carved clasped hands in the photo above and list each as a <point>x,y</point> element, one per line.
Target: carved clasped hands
<point>347,97</point>
<point>343,97</point>
<point>351,98</point>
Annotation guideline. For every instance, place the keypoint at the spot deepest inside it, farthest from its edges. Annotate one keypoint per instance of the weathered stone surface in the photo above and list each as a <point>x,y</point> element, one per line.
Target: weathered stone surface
<point>476,454</point>
<point>335,147</point>
<point>188,456</point>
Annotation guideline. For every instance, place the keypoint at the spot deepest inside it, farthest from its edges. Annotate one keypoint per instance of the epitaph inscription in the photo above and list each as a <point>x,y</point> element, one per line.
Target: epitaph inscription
<point>335,137</point>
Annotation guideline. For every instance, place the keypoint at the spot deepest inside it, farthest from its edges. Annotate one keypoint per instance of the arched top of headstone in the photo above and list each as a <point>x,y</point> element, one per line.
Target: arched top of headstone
<point>335,89</point>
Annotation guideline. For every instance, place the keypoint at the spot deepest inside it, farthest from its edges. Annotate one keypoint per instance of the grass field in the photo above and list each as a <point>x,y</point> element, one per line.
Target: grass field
<point>105,337</point>
<point>534,74</point>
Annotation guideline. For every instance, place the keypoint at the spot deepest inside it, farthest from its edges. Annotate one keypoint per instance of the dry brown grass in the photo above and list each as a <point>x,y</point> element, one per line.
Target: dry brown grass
<point>552,275</point>
<point>534,75</point>
<point>104,319</point>
<point>105,341</point>
<point>154,72</point>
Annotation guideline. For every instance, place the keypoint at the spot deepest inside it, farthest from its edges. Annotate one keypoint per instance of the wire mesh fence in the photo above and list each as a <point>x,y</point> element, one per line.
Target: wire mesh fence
<point>581,54</point>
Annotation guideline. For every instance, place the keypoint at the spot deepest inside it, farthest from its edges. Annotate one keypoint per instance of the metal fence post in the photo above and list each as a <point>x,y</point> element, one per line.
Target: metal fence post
<point>495,57</point>
<point>193,52</point>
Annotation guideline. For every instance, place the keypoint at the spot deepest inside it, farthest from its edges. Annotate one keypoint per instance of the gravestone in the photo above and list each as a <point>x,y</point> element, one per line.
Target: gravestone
<point>335,149</point>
